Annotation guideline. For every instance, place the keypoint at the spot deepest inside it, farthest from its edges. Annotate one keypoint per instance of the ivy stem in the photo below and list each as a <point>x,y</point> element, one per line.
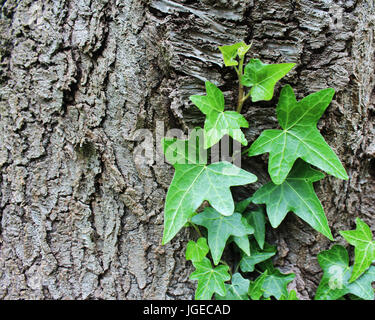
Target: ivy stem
<point>230,270</point>
<point>240,85</point>
<point>196,229</point>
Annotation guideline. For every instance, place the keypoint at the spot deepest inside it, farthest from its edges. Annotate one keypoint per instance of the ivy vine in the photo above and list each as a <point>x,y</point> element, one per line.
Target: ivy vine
<point>292,150</point>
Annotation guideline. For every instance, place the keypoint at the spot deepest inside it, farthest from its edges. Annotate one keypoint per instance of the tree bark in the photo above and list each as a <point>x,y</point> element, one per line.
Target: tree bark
<point>81,215</point>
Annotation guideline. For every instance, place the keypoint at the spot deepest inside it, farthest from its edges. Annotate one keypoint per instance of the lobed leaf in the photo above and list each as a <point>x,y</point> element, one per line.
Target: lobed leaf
<point>192,184</point>
<point>196,251</point>
<point>295,194</point>
<point>335,281</point>
<point>230,53</point>
<point>219,122</point>
<point>220,228</point>
<point>299,138</point>
<point>247,263</point>
<point>364,252</point>
<point>237,290</point>
<point>263,77</point>
<point>210,280</point>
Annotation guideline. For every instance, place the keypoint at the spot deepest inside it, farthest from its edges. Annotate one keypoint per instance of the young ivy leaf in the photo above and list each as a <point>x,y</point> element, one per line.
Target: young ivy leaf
<point>196,251</point>
<point>209,280</point>
<point>299,138</point>
<point>291,296</point>
<point>263,77</point>
<point>230,53</point>
<point>237,290</point>
<point>257,220</point>
<point>247,263</point>
<point>194,183</point>
<point>219,122</point>
<point>256,287</point>
<point>295,194</point>
<point>220,228</point>
<point>364,252</point>
<point>335,281</point>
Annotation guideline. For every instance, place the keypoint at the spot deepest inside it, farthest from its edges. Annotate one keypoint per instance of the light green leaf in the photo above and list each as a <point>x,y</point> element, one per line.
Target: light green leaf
<point>192,184</point>
<point>210,280</point>
<point>219,122</point>
<point>335,281</point>
<point>256,287</point>
<point>237,290</point>
<point>295,194</point>
<point>196,251</point>
<point>220,228</point>
<point>230,53</point>
<point>364,252</point>
<point>299,138</point>
<point>257,220</point>
<point>247,263</point>
<point>243,243</point>
<point>263,77</point>
<point>291,296</point>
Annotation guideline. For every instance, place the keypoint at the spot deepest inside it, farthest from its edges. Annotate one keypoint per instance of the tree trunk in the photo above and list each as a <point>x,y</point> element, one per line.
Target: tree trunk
<point>81,213</point>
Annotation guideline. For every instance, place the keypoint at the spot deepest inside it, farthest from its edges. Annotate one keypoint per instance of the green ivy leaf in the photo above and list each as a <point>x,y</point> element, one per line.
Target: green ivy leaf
<point>194,183</point>
<point>291,296</point>
<point>242,205</point>
<point>219,122</point>
<point>247,263</point>
<point>275,283</point>
<point>299,138</point>
<point>210,280</point>
<point>295,194</point>
<point>237,290</point>
<point>196,251</point>
<point>335,281</point>
<point>220,228</point>
<point>230,53</point>
<point>364,252</point>
<point>256,287</point>
<point>243,243</point>
<point>263,77</point>
<point>257,220</point>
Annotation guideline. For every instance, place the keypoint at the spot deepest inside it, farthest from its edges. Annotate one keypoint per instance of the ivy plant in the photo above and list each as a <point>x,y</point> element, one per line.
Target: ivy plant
<point>200,197</point>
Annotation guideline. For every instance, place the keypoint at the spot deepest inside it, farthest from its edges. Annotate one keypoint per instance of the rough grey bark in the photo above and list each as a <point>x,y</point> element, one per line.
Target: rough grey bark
<point>80,217</point>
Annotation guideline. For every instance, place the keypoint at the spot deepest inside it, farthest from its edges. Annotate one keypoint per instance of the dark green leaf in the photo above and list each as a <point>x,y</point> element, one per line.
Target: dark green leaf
<point>242,205</point>
<point>220,228</point>
<point>295,194</point>
<point>257,220</point>
<point>247,263</point>
<point>237,290</point>
<point>275,284</point>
